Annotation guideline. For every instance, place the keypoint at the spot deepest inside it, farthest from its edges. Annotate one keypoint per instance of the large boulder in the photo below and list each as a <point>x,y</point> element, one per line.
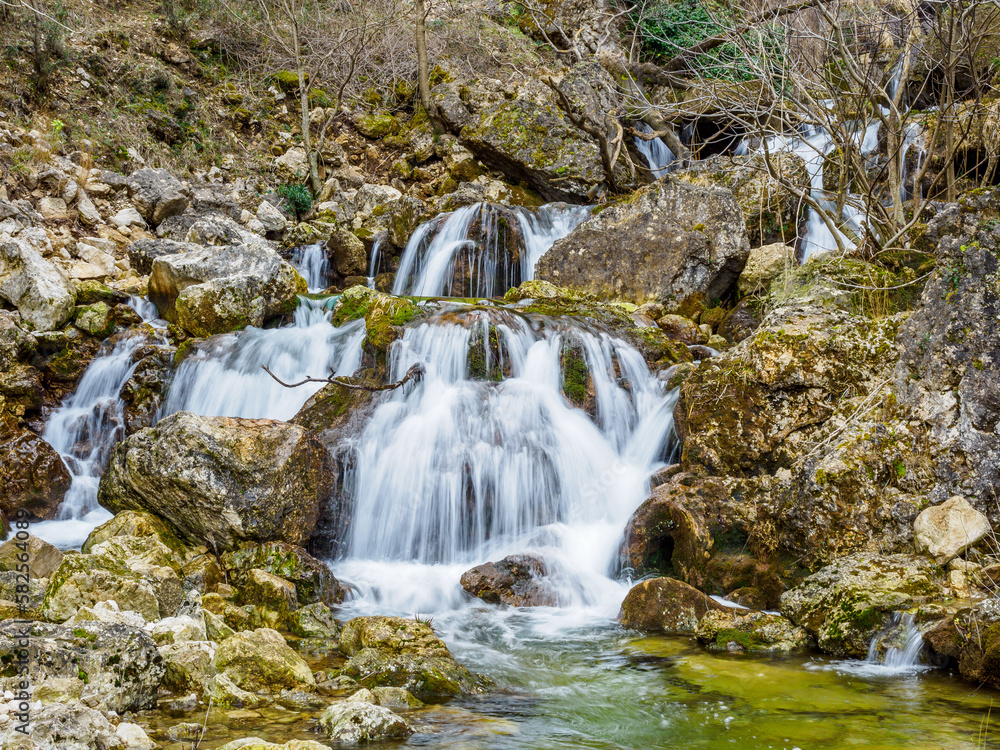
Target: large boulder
<point>32,474</point>
<point>945,531</point>
<point>220,289</point>
<point>81,581</point>
<point>143,252</point>
<point>356,721</point>
<point>157,194</point>
<point>111,667</point>
<point>221,481</point>
<point>313,580</point>
<point>665,605</point>
<point>394,652</point>
<point>261,661</point>
<point>845,604</point>
<point>517,580</point>
<point>670,242</point>
<point>45,558</point>
<point>64,726</point>
<point>40,292</point>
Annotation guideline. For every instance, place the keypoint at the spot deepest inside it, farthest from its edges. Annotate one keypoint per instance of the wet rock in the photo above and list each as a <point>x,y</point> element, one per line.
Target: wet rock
<point>347,253</point>
<point>216,290</point>
<point>40,292</point>
<point>255,743</point>
<point>384,315</point>
<point>65,726</point>
<point>354,721</point>
<point>971,636</point>
<point>156,194</point>
<point>133,523</point>
<point>753,632</point>
<point>313,580</point>
<point>32,474</point>
<point>261,661</point>
<point>945,531</point>
<point>389,697</point>
<point>670,243</point>
<point>681,329</point>
<point>220,480</point>
<point>189,666</point>
<point>95,320</point>
<point>314,621</point>
<point>665,605</point>
<point>177,629</point>
<point>845,604</point>
<point>42,558</point>
<point>268,592</point>
<point>394,652</point>
<point>145,392</point>
<point>517,580</point>
<point>111,667</point>
<point>226,694</point>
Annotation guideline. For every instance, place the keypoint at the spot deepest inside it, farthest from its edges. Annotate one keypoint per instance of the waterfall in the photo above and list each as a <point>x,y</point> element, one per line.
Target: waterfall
<point>481,250</point>
<point>906,644</point>
<point>88,425</point>
<point>911,139</point>
<point>374,262</point>
<point>223,377</point>
<point>455,471</point>
<point>656,153</point>
<point>311,262</point>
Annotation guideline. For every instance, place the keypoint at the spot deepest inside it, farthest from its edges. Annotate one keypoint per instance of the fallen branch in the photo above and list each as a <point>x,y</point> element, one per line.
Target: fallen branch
<point>414,373</point>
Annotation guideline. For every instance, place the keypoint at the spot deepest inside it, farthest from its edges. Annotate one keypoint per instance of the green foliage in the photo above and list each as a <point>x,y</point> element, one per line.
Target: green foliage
<point>298,198</point>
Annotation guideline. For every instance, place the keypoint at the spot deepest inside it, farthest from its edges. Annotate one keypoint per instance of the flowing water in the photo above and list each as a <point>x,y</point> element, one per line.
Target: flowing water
<point>656,153</point>
<point>481,250</point>
<point>312,263</point>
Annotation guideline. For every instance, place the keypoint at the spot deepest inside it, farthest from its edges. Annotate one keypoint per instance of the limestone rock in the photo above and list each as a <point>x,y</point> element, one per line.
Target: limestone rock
<point>43,558</point>
<point>38,290</point>
<point>157,194</point>
<point>764,264</point>
<point>314,621</point>
<point>132,523</point>
<point>671,242</point>
<point>292,166</point>
<point>32,474</point>
<point>313,580</point>
<point>347,252</point>
<point>84,580</point>
<point>666,605</point>
<point>64,726</point>
<point>354,721</point>
<point>945,531</point>
<point>189,666</point>
<point>681,329</point>
<point>753,632</point>
<point>272,219</point>
<point>134,737</point>
<point>517,580</point>
<point>261,661</point>
<point>53,209</point>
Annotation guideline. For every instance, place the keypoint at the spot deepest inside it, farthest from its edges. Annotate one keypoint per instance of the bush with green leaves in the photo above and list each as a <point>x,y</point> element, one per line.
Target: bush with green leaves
<point>298,197</point>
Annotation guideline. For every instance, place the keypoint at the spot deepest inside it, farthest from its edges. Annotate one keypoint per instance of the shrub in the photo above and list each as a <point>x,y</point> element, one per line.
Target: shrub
<point>298,198</point>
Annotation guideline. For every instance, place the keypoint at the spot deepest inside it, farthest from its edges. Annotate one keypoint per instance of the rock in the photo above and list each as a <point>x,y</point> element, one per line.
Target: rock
<point>384,314</point>
<point>272,219</point>
<point>128,217</point>
<point>269,592</point>
<point>292,166</point>
<point>261,661</point>
<point>517,580</point>
<point>156,194</point>
<point>394,652</point>
<point>53,209</point>
<point>347,253</point>
<point>741,322</point>
<point>178,629</point>
<point>84,580</point>
<point>671,242</point>
<point>111,667</point>
<point>945,531</point>
<point>753,632</point>
<point>32,474</point>
<point>89,292</point>
<point>142,253</point>
<point>38,290</point>
<point>42,558</point>
<point>134,737</point>
<point>224,693</point>
<point>312,579</point>
<point>681,329</point>
<point>189,666</point>
<point>216,290</point>
<point>354,721</point>
<point>314,621</point>
<point>220,480</point>
<point>665,604</point>
<point>255,743</point>
<point>845,604</point>
<point>64,726</point>
<point>764,264</point>
<point>95,320</point>
<point>131,523</point>
<point>88,212</point>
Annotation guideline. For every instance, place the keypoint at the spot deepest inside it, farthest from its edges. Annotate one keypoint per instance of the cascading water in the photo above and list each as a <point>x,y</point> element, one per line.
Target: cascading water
<point>456,471</point>
<point>912,135</point>
<point>86,427</point>
<point>656,153</point>
<point>312,263</point>
<point>224,376</point>
<point>373,264</point>
<point>905,645</point>
<point>476,252</point>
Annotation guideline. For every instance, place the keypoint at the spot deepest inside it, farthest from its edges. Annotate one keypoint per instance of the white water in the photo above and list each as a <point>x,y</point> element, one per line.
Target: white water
<point>912,136</point>
<point>224,376</point>
<point>311,262</point>
<point>87,426</point>
<point>454,472</point>
<point>656,153</point>
<point>895,652</point>
<point>428,264</point>
<point>373,264</point>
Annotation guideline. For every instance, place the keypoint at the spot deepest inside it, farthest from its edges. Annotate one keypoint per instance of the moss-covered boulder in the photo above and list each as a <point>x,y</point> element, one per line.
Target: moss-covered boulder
<point>84,580</point>
<point>312,579</point>
<point>356,721</point>
<point>260,660</point>
<point>384,315</point>
<point>222,481</point>
<point>665,605</point>
<point>314,621</point>
<point>188,666</point>
<point>751,632</point>
<point>845,604</point>
<point>95,319</point>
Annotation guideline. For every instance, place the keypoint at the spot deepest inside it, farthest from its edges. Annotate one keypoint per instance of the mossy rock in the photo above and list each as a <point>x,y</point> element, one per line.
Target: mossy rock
<point>384,315</point>
<point>262,661</point>
<point>90,291</point>
<point>377,125</point>
<point>136,523</point>
<point>95,319</point>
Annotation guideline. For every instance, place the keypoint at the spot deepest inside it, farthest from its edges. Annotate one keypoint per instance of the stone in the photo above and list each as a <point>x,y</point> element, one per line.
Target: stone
<point>517,580</point>
<point>354,721</point>
<point>156,194</point>
<point>347,253</point>
<point>292,166</point>
<point>53,209</point>
<point>41,294</point>
<point>681,329</point>
<point>87,211</point>
<point>224,693</point>
<point>314,621</point>
<point>267,591</point>
<point>665,605</point>
<point>217,290</point>
<point>945,531</point>
<point>43,559</point>
<point>313,580</point>
<point>95,320</point>
<point>108,666</point>
<point>752,632</point>
<point>384,314</point>
<point>671,243</point>
<point>189,666</point>
<point>134,737</point>
<point>177,629</point>
<point>32,474</point>
<point>764,265</point>
<point>255,743</point>
<point>84,580</point>
<point>221,481</point>
<point>261,661</point>
<point>64,726</point>
<point>844,604</point>
<point>272,219</point>
<point>128,217</point>
<point>142,253</point>
<point>131,523</point>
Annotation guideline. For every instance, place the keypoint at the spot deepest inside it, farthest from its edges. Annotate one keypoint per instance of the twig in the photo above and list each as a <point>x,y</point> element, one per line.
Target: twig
<point>414,373</point>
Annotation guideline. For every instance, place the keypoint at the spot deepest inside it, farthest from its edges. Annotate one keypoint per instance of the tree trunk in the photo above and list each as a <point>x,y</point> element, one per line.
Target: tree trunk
<point>423,68</point>
<point>313,177</point>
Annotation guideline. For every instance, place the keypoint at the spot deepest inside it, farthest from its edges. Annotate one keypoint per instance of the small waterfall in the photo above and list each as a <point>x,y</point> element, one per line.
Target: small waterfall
<point>481,250</point>
<point>911,140</point>
<point>312,263</point>
<point>224,376</point>
<point>656,153</point>
<point>486,457</point>
<point>374,262</point>
<point>905,644</point>
<point>87,426</point>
